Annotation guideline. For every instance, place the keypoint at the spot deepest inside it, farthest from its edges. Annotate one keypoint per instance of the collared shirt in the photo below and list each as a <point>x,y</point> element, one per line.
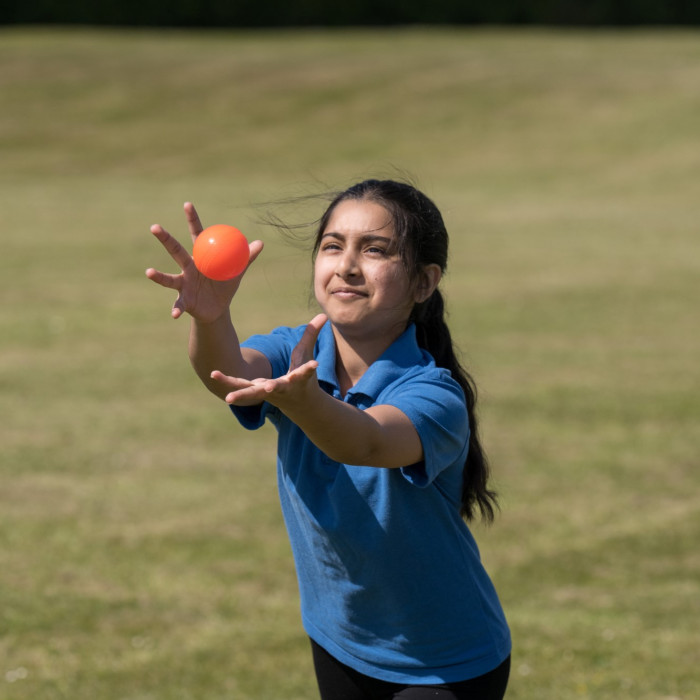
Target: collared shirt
<point>390,577</point>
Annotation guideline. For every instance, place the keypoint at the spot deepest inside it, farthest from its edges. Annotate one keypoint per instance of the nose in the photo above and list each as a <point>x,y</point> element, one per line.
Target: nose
<point>347,265</point>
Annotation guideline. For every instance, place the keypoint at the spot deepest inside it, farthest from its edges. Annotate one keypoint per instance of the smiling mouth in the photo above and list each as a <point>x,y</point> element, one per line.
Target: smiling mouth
<point>347,292</point>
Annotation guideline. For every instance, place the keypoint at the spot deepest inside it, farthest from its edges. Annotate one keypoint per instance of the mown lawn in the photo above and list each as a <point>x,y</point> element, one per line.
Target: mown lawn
<point>142,553</point>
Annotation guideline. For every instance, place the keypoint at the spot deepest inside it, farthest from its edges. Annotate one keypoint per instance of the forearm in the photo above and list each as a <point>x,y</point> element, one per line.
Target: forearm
<point>215,346</point>
<point>381,436</point>
<point>341,431</point>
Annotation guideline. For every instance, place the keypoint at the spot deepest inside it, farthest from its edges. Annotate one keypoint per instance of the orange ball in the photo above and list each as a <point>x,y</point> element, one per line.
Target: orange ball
<point>220,252</point>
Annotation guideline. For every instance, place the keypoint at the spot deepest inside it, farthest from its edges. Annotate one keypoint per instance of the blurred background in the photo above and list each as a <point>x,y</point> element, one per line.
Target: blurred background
<point>142,552</point>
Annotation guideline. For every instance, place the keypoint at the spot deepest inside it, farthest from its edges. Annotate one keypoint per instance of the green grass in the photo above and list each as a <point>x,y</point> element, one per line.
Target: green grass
<point>142,553</point>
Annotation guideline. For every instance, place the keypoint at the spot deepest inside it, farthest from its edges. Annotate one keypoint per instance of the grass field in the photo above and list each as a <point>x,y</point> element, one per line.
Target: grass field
<point>142,553</point>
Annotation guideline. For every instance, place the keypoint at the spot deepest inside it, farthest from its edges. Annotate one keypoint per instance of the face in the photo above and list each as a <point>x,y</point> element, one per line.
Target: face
<point>359,278</point>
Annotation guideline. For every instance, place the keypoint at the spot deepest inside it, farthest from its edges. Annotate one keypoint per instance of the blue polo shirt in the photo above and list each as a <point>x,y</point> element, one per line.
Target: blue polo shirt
<point>390,577</point>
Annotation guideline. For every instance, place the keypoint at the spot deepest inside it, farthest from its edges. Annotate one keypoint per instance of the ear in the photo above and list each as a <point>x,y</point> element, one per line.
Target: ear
<point>428,280</point>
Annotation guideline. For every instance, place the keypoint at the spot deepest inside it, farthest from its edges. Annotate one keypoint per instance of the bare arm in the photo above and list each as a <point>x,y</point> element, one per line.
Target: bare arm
<point>215,346</point>
<point>213,340</point>
<point>381,436</point>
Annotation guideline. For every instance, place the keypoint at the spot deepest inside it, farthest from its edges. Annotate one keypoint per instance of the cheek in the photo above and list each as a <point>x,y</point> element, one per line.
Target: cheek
<point>393,277</point>
<point>320,278</point>
<point>394,284</point>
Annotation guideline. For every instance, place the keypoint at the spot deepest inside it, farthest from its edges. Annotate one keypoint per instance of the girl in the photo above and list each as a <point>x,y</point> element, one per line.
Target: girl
<point>379,461</point>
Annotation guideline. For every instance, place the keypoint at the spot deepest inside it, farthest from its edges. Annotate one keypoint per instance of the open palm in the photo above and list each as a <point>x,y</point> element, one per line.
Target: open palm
<point>294,387</point>
<point>203,298</point>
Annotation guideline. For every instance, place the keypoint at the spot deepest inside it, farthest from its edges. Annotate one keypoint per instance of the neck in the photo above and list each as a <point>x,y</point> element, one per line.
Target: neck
<point>353,357</point>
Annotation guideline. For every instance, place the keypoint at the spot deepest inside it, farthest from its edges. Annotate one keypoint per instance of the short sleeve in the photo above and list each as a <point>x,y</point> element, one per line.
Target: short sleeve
<point>437,408</point>
<point>277,346</point>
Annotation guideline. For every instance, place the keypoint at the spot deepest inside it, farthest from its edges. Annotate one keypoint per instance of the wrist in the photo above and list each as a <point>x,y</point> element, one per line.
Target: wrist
<point>223,320</point>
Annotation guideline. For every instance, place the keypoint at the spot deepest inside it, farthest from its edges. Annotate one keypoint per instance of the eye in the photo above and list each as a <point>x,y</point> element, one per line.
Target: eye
<point>375,250</point>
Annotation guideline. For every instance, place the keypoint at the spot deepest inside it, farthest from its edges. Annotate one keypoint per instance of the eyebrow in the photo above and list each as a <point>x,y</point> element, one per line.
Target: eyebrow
<point>365,238</point>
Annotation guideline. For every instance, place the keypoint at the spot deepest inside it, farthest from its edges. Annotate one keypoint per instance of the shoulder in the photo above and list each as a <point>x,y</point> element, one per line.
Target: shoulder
<point>420,376</point>
<point>276,336</point>
<point>429,389</point>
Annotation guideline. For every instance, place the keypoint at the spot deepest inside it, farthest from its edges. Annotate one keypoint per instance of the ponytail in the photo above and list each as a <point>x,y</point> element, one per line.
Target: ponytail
<point>434,336</point>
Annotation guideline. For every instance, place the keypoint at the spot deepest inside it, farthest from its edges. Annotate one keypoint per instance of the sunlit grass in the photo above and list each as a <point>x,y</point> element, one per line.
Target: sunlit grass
<point>142,553</point>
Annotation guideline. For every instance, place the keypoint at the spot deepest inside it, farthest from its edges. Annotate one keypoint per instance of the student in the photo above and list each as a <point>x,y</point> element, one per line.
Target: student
<point>379,462</point>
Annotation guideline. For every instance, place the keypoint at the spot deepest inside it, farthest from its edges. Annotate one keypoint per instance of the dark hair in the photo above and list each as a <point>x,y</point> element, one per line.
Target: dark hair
<point>423,240</point>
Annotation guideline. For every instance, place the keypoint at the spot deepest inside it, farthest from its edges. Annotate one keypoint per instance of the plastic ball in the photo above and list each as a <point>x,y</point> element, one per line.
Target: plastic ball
<point>220,252</point>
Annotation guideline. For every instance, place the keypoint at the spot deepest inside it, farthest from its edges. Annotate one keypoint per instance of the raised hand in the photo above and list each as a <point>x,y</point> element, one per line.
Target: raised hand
<point>202,298</point>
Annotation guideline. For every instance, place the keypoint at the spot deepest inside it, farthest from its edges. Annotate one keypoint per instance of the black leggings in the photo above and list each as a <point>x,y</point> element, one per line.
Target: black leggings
<point>336,681</point>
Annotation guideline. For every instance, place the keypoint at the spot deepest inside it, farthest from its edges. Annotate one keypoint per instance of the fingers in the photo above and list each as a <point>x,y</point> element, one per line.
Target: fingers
<point>279,390</point>
<point>316,323</point>
<point>263,389</point>
<point>179,253</point>
<point>308,340</point>
<point>193,221</point>
<point>233,382</point>
<point>178,307</point>
<point>254,248</point>
<point>304,350</point>
<point>163,279</point>
<point>171,282</point>
<point>244,391</point>
<point>173,246</point>
<point>195,225</point>
<point>303,371</point>
<point>198,296</point>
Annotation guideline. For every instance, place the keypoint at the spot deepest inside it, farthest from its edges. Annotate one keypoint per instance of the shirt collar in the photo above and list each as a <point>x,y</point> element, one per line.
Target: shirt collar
<point>400,356</point>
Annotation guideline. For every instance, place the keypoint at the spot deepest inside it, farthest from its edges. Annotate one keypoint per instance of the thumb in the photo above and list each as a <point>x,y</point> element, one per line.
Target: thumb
<point>304,351</point>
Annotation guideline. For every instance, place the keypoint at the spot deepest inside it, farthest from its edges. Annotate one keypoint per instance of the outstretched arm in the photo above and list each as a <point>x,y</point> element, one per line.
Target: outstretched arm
<point>213,340</point>
<point>380,436</point>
